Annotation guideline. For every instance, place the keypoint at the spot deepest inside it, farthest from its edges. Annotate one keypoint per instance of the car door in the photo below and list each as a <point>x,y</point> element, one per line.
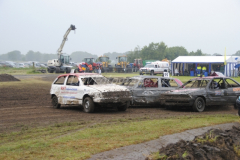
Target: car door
<point>58,87</point>
<point>233,90</point>
<point>70,93</point>
<point>146,91</point>
<point>217,95</point>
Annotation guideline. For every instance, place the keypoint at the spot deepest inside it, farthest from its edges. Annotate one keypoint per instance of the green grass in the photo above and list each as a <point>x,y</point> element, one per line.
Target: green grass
<point>68,141</point>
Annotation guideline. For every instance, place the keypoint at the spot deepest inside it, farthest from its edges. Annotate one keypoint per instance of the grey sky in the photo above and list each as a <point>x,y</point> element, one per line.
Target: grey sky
<point>119,25</point>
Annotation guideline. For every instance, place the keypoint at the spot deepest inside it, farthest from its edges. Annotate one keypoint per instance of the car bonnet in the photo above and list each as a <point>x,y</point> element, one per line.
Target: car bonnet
<point>109,88</point>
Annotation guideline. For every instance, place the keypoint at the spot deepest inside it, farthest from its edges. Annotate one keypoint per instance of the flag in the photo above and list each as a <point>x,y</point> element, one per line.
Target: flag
<point>225,61</point>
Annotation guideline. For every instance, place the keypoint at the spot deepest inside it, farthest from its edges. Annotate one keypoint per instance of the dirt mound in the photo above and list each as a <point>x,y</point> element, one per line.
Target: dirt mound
<point>7,77</point>
<point>214,144</point>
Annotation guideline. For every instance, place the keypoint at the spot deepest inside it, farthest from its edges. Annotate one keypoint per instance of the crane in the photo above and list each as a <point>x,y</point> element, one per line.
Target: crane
<point>61,64</point>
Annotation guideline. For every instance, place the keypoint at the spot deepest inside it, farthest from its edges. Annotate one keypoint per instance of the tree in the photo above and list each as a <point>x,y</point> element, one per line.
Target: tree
<point>197,53</point>
<point>237,53</point>
<point>174,52</point>
<point>14,56</point>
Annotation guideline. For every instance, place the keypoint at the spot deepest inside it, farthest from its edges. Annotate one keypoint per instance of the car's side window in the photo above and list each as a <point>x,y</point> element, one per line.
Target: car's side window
<point>60,80</point>
<point>140,84</point>
<point>88,81</point>
<point>230,83</point>
<point>73,81</point>
<point>217,83</point>
<point>165,82</point>
<point>151,82</point>
<point>173,83</point>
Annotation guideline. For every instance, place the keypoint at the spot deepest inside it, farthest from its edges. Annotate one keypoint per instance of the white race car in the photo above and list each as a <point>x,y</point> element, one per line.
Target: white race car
<point>90,90</point>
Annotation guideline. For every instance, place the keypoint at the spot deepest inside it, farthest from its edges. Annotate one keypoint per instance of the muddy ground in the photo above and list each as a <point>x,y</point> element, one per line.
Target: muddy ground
<point>214,144</point>
<point>29,104</point>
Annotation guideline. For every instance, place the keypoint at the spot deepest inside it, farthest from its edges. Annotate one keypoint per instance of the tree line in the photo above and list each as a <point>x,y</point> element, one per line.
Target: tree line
<point>153,51</point>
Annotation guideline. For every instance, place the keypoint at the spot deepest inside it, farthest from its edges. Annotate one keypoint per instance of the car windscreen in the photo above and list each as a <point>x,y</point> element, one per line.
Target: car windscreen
<point>196,83</point>
<point>101,80</point>
<point>149,66</point>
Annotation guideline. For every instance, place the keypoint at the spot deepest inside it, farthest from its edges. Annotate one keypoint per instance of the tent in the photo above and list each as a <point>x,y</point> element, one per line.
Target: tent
<point>230,69</point>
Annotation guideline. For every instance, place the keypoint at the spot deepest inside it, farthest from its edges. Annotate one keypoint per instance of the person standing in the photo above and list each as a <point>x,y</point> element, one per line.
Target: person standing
<point>176,72</point>
<point>99,70</point>
<point>199,68</point>
<point>204,69</point>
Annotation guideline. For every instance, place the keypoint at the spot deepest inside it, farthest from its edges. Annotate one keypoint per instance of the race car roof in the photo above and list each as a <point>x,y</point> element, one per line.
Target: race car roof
<point>81,74</point>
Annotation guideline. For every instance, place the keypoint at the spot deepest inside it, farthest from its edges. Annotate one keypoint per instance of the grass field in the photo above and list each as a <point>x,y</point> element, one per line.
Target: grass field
<point>71,141</point>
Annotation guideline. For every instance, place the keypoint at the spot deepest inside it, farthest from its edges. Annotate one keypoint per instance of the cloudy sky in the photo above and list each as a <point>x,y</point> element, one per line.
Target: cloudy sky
<point>119,25</point>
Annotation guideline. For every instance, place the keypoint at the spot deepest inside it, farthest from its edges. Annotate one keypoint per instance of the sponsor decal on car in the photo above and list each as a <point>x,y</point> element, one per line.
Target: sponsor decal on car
<point>236,89</point>
<point>218,93</point>
<point>68,97</point>
<point>71,89</point>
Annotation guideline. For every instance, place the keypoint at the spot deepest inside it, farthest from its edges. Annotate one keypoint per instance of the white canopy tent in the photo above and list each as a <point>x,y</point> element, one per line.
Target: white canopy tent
<point>182,62</point>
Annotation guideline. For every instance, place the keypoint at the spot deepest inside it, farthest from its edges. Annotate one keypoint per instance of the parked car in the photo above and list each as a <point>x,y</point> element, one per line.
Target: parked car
<point>203,91</point>
<point>10,63</point>
<point>154,68</point>
<point>21,65</point>
<point>90,90</point>
<point>5,64</point>
<point>146,90</point>
<point>43,65</point>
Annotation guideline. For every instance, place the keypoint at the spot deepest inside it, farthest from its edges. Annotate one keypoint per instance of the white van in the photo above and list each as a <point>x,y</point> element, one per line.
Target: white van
<point>157,67</point>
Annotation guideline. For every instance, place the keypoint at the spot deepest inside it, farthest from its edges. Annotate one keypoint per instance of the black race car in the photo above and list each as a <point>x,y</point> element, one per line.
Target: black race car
<point>203,91</point>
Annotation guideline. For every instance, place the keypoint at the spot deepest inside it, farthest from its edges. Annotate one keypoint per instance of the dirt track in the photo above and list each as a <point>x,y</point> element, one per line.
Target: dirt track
<point>30,105</point>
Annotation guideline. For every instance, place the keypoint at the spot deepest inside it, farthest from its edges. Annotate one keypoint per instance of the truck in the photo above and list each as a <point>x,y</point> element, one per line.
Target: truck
<point>62,64</point>
<point>122,65</point>
<point>138,63</point>
<point>154,68</point>
<point>106,67</point>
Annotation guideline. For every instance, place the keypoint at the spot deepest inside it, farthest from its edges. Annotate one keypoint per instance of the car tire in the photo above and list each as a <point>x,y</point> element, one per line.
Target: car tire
<point>55,103</point>
<point>235,106</point>
<point>123,107</point>
<point>57,70</point>
<point>199,105</point>
<point>68,70</point>
<point>88,105</point>
<point>152,73</point>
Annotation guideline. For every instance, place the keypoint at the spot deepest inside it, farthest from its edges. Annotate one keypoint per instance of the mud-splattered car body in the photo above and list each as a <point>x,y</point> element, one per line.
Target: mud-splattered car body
<point>88,89</point>
<point>146,90</point>
<point>203,91</point>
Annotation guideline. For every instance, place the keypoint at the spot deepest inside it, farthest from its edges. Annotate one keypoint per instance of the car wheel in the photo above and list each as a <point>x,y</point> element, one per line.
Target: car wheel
<point>152,73</point>
<point>55,102</point>
<point>57,70</point>
<point>68,70</point>
<point>88,105</point>
<point>123,107</point>
<point>199,105</point>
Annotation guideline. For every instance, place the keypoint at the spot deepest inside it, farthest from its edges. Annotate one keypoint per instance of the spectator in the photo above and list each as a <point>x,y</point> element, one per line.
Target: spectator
<point>176,72</point>
<point>99,70</point>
